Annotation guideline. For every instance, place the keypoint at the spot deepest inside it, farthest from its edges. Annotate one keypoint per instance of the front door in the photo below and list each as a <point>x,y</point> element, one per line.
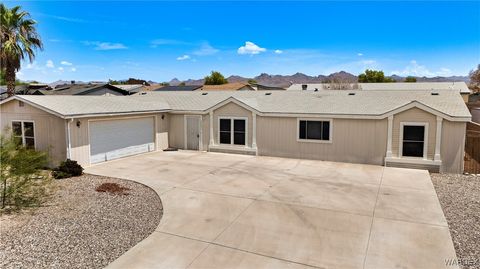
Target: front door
<point>193,132</point>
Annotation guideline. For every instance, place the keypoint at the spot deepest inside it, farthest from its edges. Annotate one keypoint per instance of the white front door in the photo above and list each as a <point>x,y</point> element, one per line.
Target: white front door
<point>113,139</point>
<point>192,130</point>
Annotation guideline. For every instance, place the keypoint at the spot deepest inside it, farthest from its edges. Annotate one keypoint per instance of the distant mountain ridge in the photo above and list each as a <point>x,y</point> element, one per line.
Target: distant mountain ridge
<point>287,80</point>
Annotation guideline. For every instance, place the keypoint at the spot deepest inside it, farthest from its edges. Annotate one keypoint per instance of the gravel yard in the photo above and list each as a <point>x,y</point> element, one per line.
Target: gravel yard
<point>459,196</point>
<point>79,227</point>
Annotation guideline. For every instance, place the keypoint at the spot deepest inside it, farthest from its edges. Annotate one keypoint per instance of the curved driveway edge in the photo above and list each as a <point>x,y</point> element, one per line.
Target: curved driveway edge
<point>236,211</point>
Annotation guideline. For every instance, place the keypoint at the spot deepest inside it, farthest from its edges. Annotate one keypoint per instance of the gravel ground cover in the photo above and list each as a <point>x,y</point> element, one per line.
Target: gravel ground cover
<point>459,196</point>
<point>79,227</point>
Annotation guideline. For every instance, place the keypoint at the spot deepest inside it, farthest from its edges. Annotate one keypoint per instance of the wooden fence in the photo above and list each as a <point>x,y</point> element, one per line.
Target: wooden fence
<point>472,149</point>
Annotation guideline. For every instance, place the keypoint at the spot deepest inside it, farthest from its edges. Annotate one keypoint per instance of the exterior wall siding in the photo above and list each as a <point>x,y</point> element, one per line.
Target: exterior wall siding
<point>49,129</point>
<point>414,115</point>
<point>355,141</point>
<point>452,148</point>
<point>232,110</point>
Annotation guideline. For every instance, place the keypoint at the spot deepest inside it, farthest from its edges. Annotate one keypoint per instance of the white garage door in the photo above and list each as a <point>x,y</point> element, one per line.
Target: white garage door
<point>114,139</point>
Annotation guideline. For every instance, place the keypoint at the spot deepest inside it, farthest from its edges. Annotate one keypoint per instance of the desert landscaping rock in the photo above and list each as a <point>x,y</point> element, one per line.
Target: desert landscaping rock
<point>459,196</point>
<point>79,227</point>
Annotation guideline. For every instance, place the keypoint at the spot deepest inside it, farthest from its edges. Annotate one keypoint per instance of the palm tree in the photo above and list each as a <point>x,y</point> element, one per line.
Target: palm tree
<point>18,39</point>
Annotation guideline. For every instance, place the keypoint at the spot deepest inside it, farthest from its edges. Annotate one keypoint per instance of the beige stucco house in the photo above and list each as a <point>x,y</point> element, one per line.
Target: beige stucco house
<point>419,129</point>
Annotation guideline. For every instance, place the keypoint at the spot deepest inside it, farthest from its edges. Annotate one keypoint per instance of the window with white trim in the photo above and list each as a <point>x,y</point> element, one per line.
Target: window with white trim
<point>413,143</point>
<point>232,131</point>
<point>314,130</point>
<point>24,132</point>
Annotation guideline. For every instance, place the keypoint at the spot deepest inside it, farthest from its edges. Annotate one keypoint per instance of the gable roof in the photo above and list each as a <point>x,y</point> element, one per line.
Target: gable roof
<point>396,86</point>
<point>179,88</point>
<point>227,87</point>
<point>68,106</point>
<point>85,89</point>
<point>340,104</point>
<point>130,88</point>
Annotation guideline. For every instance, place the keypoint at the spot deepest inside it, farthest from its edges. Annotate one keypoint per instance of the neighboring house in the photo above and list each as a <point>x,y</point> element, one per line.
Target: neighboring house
<point>87,89</point>
<point>417,129</point>
<point>460,87</point>
<point>236,86</point>
<point>131,88</point>
<point>185,88</point>
<point>474,106</point>
<point>32,89</point>
<point>260,87</point>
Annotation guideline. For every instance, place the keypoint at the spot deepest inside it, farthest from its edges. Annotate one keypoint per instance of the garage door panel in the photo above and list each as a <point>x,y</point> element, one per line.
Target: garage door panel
<point>120,138</point>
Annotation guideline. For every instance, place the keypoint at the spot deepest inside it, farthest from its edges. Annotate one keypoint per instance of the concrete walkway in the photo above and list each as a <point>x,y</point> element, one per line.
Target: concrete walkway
<point>235,211</point>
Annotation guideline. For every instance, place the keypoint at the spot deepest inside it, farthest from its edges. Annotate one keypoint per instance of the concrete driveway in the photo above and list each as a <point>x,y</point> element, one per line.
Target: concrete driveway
<point>236,211</point>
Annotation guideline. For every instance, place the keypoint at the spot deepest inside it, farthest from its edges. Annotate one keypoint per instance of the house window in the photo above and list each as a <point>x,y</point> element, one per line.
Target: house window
<point>232,131</point>
<point>314,130</point>
<point>413,143</point>
<point>24,132</point>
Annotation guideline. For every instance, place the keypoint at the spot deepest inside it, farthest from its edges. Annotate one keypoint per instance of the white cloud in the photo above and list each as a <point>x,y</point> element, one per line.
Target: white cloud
<point>183,58</point>
<point>49,64</point>
<point>278,51</point>
<point>160,42</point>
<point>66,63</point>
<point>73,69</point>
<point>60,68</point>
<point>250,48</point>
<point>105,45</point>
<point>416,69</point>
<point>369,62</point>
<point>205,49</point>
<point>359,54</point>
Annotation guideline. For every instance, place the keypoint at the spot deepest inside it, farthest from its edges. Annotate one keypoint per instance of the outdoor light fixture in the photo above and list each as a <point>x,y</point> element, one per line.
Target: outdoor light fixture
<point>163,116</point>
<point>78,123</point>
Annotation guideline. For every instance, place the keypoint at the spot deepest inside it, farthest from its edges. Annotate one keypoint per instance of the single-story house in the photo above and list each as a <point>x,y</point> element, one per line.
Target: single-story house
<point>235,86</point>
<point>460,87</point>
<point>131,88</point>
<point>179,88</point>
<point>417,129</point>
<point>87,89</point>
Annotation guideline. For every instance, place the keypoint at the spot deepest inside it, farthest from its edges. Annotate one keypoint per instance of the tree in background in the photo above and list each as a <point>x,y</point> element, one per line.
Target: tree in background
<point>215,78</point>
<point>475,79</point>
<point>2,77</point>
<point>18,40</point>
<point>373,76</point>
<point>252,81</point>
<point>182,84</point>
<point>410,79</point>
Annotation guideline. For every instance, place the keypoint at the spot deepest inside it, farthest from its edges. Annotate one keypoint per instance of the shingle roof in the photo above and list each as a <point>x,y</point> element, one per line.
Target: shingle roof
<point>363,103</point>
<point>322,102</point>
<point>397,86</point>
<point>83,89</point>
<point>235,86</point>
<point>179,88</point>
<point>68,105</point>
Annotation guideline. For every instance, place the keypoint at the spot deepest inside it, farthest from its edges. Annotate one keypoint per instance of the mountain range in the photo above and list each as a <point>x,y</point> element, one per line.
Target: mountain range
<point>287,80</point>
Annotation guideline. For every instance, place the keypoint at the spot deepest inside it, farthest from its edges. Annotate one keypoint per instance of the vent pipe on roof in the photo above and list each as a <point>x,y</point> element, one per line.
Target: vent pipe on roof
<point>268,93</point>
<point>304,87</point>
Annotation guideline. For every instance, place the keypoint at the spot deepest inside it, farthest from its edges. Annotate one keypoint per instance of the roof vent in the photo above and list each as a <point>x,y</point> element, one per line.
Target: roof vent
<point>304,87</point>
<point>204,93</point>
<point>143,93</point>
<point>435,93</point>
<point>316,90</point>
<point>268,93</point>
<point>351,93</point>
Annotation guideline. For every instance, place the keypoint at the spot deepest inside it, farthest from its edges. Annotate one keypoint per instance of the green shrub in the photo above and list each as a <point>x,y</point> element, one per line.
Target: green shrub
<point>66,169</point>
<point>24,182</point>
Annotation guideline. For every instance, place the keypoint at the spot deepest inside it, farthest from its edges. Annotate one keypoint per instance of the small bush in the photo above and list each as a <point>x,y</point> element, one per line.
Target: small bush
<point>66,169</point>
<point>24,183</point>
<point>112,188</point>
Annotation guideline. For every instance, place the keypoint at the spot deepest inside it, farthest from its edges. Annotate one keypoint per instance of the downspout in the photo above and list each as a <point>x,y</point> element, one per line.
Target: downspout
<point>69,143</point>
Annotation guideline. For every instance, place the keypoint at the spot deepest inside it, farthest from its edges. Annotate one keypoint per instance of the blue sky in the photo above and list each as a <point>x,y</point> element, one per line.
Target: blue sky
<point>162,40</point>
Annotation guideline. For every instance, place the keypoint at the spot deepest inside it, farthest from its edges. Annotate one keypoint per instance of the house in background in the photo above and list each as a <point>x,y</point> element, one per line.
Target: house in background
<point>474,106</point>
<point>184,88</point>
<point>236,86</point>
<point>459,87</point>
<point>131,88</point>
<point>415,129</point>
<point>87,89</point>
